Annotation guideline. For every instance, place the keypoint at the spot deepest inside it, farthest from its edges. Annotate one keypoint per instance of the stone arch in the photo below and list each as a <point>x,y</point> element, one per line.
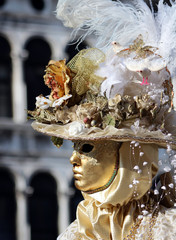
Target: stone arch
<point>38,55</point>
<point>2,3</point>
<point>43,206</point>
<point>5,78</point>
<point>38,5</point>
<point>8,205</point>
<point>73,47</point>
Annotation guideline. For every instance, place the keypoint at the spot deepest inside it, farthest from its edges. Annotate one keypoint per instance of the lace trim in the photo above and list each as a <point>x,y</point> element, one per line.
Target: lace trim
<point>71,233</point>
<point>163,229</point>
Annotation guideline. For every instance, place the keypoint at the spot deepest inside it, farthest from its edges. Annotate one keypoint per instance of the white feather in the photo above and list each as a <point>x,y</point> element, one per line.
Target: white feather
<point>166,22</point>
<point>110,21</point>
<point>121,80</point>
<point>123,23</point>
<point>116,76</point>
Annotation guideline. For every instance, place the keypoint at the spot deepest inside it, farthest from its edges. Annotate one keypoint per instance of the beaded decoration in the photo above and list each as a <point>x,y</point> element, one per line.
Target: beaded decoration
<point>134,229</point>
<point>149,219</point>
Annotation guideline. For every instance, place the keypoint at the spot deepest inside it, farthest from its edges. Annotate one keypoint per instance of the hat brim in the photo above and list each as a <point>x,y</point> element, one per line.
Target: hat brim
<point>109,133</point>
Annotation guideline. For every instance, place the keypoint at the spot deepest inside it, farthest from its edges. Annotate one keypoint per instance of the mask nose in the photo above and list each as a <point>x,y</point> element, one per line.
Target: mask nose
<point>75,159</point>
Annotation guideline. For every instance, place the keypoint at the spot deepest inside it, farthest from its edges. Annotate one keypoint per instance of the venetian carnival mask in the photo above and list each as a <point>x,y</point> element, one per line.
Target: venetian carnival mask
<point>94,164</point>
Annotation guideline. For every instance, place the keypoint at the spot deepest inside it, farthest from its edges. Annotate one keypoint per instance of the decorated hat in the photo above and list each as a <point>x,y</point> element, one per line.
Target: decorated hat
<point>122,89</point>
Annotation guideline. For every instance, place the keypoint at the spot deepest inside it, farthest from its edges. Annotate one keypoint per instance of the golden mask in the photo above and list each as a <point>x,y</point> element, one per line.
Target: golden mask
<point>94,163</point>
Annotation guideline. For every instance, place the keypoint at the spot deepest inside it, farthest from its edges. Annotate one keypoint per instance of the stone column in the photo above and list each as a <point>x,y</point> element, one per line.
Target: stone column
<point>63,218</point>
<point>19,93</point>
<point>23,229</point>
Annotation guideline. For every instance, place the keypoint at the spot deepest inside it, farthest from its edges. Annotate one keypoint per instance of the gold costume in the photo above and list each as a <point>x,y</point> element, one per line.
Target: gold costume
<point>110,214</point>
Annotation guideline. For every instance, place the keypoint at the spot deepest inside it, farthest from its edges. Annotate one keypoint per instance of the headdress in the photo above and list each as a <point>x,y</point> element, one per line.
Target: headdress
<point>122,91</point>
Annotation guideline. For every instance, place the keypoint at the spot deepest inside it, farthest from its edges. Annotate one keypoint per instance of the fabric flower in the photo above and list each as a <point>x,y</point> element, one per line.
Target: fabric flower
<point>57,78</point>
<point>59,101</point>
<point>42,102</point>
<point>76,128</point>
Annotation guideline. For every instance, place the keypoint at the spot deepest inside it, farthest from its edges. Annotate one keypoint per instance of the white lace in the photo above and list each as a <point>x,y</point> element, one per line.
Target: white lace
<point>71,233</point>
<point>164,228</point>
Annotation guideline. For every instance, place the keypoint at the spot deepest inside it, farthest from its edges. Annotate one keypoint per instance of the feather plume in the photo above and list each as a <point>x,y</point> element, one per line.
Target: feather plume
<point>123,23</point>
<point>109,20</point>
<point>166,23</point>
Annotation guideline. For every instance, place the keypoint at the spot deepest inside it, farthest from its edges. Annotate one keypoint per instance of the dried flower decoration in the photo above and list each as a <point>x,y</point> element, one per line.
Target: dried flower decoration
<point>57,78</point>
<point>138,47</point>
<point>42,102</point>
<point>79,95</point>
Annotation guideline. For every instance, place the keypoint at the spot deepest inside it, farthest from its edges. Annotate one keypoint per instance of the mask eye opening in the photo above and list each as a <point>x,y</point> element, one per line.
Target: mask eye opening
<point>87,148</point>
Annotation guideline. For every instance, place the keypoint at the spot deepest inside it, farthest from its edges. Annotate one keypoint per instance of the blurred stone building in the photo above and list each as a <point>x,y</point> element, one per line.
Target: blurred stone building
<point>37,197</point>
